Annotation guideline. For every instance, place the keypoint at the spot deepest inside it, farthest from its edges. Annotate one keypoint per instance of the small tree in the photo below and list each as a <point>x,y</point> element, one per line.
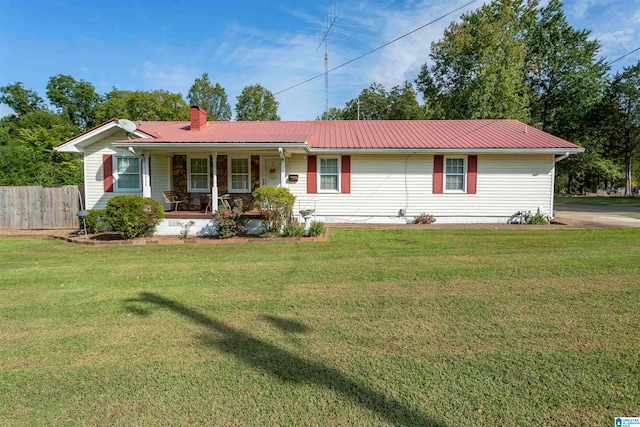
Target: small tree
<point>275,205</point>
<point>133,216</point>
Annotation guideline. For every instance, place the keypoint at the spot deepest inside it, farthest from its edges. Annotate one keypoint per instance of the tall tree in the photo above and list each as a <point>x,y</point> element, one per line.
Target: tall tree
<point>403,103</point>
<point>564,77</point>
<point>372,103</point>
<point>141,105</point>
<point>619,119</point>
<point>76,99</point>
<point>21,100</point>
<point>256,103</point>
<point>212,98</point>
<point>477,66</point>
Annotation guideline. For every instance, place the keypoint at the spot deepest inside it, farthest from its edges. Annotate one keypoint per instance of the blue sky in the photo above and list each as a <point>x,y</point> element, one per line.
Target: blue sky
<point>146,45</point>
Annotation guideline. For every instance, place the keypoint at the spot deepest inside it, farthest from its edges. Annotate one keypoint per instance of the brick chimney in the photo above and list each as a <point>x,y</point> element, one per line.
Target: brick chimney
<point>198,119</point>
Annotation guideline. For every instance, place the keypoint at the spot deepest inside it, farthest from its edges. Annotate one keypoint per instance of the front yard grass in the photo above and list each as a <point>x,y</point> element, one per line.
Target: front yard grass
<point>394,327</point>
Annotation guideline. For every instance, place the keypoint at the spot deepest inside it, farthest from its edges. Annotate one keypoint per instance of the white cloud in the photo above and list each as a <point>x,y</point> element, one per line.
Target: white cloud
<point>5,110</point>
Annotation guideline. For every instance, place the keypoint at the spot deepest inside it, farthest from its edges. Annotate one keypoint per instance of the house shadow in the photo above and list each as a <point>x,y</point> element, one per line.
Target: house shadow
<point>288,366</point>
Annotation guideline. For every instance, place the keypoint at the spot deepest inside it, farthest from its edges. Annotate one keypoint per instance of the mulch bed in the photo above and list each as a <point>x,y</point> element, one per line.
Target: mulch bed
<point>102,239</point>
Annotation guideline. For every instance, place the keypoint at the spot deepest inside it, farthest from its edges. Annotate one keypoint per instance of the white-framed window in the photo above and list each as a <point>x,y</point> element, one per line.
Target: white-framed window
<point>126,173</point>
<point>198,174</point>
<point>239,174</point>
<point>329,173</point>
<point>455,174</point>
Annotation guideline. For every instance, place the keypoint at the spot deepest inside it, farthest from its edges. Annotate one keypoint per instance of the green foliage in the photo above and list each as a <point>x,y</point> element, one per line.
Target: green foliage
<point>77,100</point>
<point>256,103</point>
<point>133,216</point>
<point>293,230</point>
<point>275,205</point>
<point>96,221</point>
<point>334,113</point>
<point>27,155</point>
<point>376,103</point>
<point>230,222</point>
<point>157,105</point>
<point>424,218</point>
<point>213,99</point>
<point>537,219</point>
<point>316,228</point>
<point>477,66</point>
<point>618,117</point>
<point>21,100</point>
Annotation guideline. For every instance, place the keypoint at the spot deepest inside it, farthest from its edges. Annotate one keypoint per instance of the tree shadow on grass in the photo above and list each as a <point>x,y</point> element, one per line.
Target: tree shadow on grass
<point>287,366</point>
<point>287,326</point>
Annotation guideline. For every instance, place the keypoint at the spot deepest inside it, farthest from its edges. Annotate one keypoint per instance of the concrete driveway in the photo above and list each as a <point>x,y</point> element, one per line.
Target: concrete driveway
<point>585,216</point>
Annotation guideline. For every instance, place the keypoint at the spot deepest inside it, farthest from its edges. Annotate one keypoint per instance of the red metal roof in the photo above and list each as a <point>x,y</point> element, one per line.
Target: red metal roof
<point>364,134</point>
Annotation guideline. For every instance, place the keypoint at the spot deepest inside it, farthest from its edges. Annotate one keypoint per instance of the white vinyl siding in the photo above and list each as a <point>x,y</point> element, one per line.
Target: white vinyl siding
<point>198,174</point>
<point>381,185</point>
<point>239,174</point>
<point>329,174</point>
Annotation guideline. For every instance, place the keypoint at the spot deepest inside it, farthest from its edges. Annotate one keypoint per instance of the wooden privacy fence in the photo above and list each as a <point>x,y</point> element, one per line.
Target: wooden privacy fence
<point>39,208</point>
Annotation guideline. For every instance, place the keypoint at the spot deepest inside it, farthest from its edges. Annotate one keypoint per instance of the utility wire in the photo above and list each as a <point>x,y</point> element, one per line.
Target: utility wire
<point>625,55</point>
<point>378,48</point>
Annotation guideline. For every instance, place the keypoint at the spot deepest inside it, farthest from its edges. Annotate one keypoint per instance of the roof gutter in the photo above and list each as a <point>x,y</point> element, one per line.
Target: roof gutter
<point>566,151</point>
<point>216,145</point>
<point>562,157</point>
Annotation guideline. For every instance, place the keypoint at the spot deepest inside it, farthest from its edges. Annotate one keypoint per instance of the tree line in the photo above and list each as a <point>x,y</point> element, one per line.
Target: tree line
<point>28,137</point>
<point>508,59</point>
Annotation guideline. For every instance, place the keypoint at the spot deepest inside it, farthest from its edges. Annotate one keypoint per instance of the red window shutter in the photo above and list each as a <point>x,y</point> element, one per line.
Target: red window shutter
<point>345,175</point>
<point>438,162</point>
<point>107,170</point>
<point>472,174</point>
<point>312,174</point>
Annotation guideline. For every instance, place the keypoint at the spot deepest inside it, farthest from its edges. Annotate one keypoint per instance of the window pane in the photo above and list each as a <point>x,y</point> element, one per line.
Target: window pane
<point>328,182</point>
<point>128,165</point>
<point>240,166</point>
<point>455,166</point>
<point>455,182</point>
<point>128,181</point>
<point>328,166</point>
<point>240,182</point>
<point>199,166</point>
<point>199,182</point>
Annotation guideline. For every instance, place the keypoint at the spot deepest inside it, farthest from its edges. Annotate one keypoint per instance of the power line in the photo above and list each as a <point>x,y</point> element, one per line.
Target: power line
<point>377,48</point>
<point>625,55</point>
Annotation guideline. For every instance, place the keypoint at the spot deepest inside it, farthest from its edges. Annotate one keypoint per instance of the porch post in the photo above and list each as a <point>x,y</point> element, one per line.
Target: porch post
<point>146,182</point>
<point>214,187</point>
<point>283,172</point>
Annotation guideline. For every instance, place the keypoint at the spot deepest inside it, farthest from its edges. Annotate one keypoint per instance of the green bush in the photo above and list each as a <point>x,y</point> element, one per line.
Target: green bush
<point>537,219</point>
<point>133,216</point>
<point>293,230</point>
<point>230,221</point>
<point>96,221</point>
<point>316,228</point>
<point>275,205</point>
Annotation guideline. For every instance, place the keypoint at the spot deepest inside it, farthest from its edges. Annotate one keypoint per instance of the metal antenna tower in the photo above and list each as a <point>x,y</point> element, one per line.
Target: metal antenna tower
<point>325,37</point>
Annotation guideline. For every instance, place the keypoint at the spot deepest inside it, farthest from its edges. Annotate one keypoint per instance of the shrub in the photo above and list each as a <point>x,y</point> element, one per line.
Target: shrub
<point>133,216</point>
<point>185,228</point>
<point>96,221</point>
<point>424,218</point>
<point>293,230</point>
<point>230,221</point>
<point>537,219</point>
<point>316,228</point>
<point>275,205</point>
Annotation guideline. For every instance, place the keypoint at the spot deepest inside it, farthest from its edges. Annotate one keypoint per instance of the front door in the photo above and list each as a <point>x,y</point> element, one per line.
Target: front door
<point>271,171</point>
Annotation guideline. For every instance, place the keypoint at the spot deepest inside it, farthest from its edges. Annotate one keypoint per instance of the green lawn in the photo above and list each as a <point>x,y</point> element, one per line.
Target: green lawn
<point>396,327</point>
<point>598,200</point>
